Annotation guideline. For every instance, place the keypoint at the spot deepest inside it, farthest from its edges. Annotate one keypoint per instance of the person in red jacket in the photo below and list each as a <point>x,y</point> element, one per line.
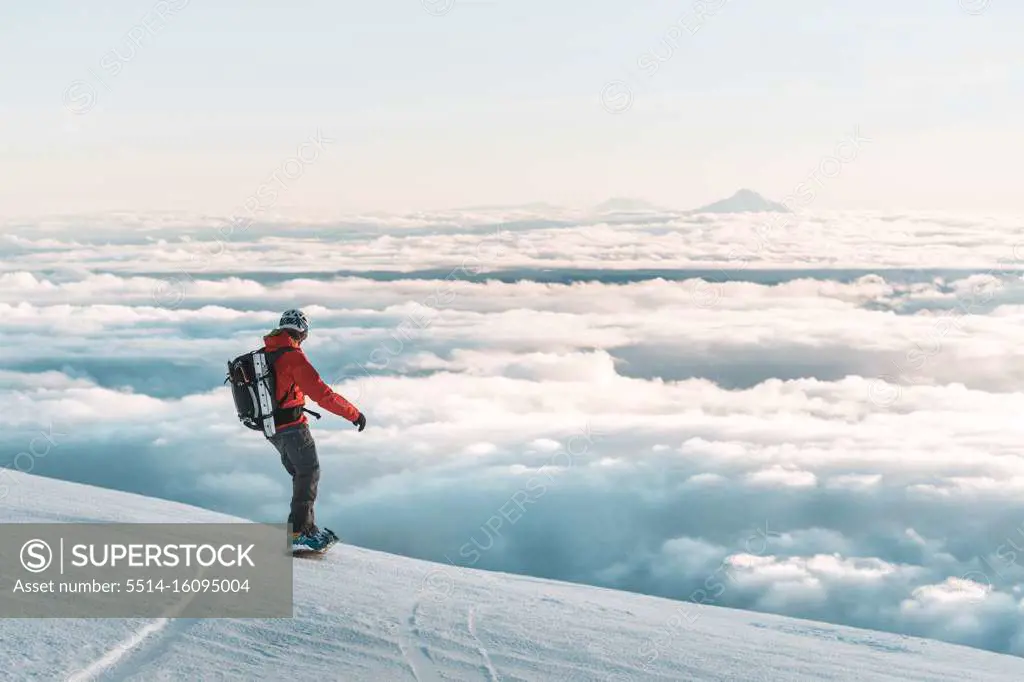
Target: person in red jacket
<point>295,378</point>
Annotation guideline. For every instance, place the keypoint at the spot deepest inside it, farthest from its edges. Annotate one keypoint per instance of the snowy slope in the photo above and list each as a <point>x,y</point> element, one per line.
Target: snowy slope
<point>363,615</point>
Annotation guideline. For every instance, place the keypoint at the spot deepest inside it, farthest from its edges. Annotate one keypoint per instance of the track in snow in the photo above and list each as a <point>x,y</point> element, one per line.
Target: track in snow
<point>118,652</point>
<point>122,652</point>
<point>492,673</point>
<point>416,654</point>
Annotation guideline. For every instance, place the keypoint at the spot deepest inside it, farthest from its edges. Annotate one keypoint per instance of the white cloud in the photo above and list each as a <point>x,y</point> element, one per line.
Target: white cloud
<point>781,476</point>
<point>474,240</point>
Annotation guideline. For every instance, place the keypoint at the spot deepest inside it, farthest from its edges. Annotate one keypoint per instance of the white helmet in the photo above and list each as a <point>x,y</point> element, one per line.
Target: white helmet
<point>294,319</point>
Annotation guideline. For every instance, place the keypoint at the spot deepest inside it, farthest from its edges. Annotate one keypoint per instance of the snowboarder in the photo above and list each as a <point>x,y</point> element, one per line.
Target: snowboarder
<point>295,378</point>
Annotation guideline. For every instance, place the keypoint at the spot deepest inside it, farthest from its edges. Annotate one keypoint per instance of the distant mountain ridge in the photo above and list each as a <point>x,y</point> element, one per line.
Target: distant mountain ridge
<point>743,201</point>
<point>626,205</point>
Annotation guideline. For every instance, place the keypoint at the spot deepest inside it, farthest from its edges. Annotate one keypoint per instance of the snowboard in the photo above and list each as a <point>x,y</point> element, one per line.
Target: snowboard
<point>309,553</point>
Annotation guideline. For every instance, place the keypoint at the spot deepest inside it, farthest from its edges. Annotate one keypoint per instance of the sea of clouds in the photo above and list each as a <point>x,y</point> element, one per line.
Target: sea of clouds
<point>815,415</point>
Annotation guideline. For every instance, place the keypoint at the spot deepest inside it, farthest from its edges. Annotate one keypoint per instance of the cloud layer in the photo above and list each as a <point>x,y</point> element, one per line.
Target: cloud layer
<point>194,247</point>
<point>842,448</point>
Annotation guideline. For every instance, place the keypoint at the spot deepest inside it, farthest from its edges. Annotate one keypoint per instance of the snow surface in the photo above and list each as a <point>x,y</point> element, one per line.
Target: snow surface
<point>364,615</point>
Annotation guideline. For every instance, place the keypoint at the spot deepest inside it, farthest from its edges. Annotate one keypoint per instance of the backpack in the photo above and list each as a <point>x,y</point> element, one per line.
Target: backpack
<point>253,388</point>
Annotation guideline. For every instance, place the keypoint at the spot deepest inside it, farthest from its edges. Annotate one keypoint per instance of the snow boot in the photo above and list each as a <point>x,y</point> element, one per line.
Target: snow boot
<point>309,542</point>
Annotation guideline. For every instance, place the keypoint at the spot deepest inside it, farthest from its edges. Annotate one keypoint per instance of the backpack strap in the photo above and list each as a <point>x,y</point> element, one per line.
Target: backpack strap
<point>273,355</point>
<point>285,415</point>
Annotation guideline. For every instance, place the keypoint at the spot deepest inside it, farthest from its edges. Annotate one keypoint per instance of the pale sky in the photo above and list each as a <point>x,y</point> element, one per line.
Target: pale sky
<point>440,104</point>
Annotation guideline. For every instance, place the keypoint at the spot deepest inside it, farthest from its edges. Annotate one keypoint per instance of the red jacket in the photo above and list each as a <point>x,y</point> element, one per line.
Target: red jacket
<point>296,378</point>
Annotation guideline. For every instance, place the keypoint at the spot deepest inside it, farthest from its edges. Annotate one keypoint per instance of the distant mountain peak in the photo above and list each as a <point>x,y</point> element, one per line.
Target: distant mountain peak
<point>743,201</point>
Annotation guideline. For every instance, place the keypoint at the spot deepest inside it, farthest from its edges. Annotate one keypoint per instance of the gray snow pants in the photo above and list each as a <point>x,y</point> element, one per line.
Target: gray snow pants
<point>298,455</point>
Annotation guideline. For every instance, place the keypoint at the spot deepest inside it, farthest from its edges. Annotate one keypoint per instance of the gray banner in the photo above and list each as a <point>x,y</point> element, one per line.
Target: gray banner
<point>119,570</point>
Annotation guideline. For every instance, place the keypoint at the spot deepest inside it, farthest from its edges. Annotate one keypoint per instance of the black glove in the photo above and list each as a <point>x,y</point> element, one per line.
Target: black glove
<point>360,421</point>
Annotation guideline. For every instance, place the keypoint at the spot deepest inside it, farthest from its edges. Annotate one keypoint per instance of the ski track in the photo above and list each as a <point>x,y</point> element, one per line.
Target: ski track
<point>415,652</point>
<point>150,650</point>
<point>492,673</point>
<point>122,649</point>
<point>126,648</point>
